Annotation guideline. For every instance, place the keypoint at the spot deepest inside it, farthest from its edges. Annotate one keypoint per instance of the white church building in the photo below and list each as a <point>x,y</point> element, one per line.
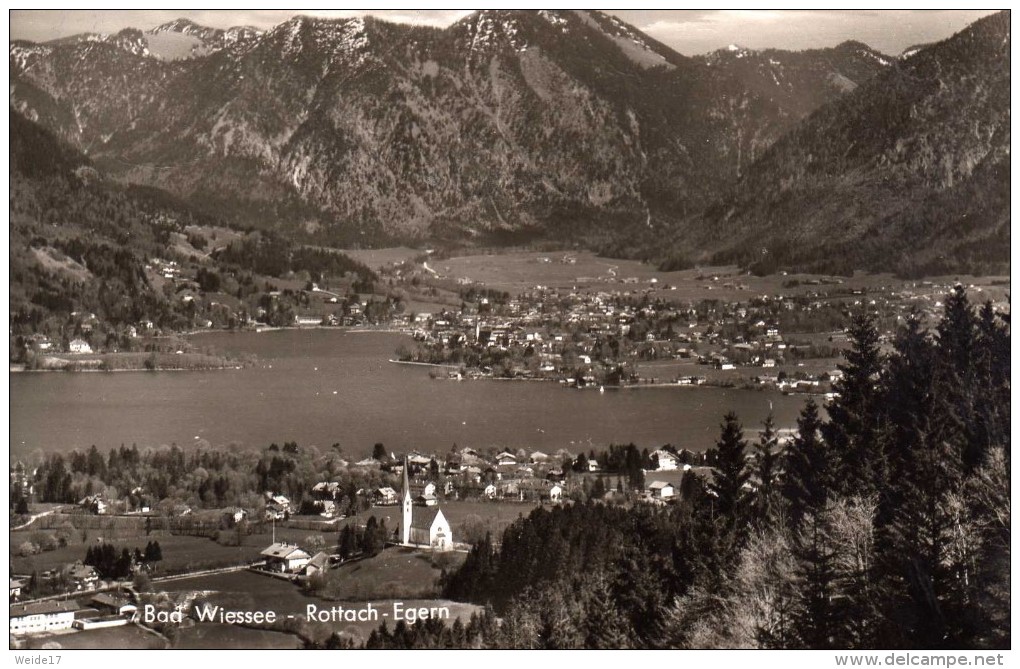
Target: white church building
<point>424,526</point>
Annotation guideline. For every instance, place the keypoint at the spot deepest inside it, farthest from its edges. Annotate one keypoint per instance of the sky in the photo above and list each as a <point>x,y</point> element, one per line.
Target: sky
<point>689,32</point>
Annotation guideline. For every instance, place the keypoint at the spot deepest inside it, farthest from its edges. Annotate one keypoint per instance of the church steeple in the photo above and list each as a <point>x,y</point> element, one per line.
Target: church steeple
<point>405,519</point>
<point>406,489</point>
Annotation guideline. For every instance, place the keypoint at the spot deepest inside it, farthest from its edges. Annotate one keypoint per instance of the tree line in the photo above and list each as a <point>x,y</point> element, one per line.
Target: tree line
<point>883,525</point>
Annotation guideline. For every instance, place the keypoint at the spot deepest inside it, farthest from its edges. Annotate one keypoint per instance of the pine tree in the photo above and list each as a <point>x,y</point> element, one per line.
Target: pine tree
<point>806,481</point>
<point>852,431</point>
<point>731,473</point>
<point>766,464</point>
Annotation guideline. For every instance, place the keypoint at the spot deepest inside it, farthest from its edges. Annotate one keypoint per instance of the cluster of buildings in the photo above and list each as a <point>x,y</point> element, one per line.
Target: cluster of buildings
<point>101,610</point>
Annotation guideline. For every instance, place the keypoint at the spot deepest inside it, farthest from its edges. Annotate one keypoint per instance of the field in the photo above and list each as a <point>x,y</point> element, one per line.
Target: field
<point>377,258</point>
<point>393,573</point>
<point>247,591</point>
<point>515,271</point>
<point>469,520</point>
<point>222,636</point>
<point>129,637</point>
<point>179,552</point>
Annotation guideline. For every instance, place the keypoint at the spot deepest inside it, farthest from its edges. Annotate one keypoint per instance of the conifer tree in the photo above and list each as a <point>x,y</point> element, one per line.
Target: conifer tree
<point>805,485</point>
<point>731,473</point>
<point>852,431</point>
<point>766,464</point>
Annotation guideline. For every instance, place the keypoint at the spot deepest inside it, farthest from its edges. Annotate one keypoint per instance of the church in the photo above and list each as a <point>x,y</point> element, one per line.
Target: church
<point>422,525</point>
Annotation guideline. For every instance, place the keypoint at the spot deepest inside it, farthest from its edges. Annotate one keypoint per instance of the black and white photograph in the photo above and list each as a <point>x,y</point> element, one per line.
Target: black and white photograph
<point>510,329</point>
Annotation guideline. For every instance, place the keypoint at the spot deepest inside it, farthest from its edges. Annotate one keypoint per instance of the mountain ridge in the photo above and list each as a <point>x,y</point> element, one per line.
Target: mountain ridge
<point>565,124</point>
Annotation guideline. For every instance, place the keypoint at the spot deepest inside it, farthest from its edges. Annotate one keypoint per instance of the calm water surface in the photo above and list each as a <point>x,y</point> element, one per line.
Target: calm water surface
<point>319,387</point>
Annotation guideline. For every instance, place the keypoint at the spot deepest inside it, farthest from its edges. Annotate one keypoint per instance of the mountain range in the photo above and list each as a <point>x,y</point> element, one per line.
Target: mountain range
<point>569,125</point>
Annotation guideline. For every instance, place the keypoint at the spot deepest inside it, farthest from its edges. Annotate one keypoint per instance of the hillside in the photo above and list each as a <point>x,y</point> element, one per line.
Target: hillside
<point>506,125</point>
<point>909,172</point>
<point>95,259</point>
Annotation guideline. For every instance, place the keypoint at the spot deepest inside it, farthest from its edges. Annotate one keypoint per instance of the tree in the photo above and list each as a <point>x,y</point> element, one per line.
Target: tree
<point>379,452</point>
<point>766,463</point>
<point>852,430</point>
<point>731,474</point>
<point>805,484</point>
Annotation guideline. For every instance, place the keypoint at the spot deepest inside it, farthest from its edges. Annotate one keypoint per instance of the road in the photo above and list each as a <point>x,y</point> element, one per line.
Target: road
<point>35,517</point>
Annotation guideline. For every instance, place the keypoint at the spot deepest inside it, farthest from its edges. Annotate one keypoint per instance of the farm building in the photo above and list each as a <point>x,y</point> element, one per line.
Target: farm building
<point>661,490</point>
<point>112,605</point>
<point>285,557</point>
<point>318,564</point>
<point>37,617</point>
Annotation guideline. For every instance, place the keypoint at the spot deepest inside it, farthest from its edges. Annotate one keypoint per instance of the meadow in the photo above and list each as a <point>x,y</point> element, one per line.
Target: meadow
<point>393,569</point>
<point>131,637</point>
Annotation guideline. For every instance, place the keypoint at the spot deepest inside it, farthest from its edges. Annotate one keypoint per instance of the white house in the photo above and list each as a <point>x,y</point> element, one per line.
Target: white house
<point>16,585</point>
<point>79,346</point>
<point>667,461</point>
<point>661,490</point>
<point>506,458</point>
<point>285,557</point>
<point>37,617</point>
<point>83,576</point>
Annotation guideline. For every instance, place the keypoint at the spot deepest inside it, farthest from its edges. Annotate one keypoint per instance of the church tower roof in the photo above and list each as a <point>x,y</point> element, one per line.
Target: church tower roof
<point>406,492</point>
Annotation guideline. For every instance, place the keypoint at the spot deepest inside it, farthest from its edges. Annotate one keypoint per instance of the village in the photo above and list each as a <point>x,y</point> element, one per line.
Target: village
<point>98,593</point>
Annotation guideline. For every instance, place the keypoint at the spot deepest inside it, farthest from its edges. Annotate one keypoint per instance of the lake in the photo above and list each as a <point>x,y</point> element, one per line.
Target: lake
<point>320,387</point>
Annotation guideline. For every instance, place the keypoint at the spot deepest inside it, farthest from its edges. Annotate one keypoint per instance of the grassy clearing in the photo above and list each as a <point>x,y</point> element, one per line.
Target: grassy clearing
<point>180,553</point>
<point>221,636</point>
<point>376,258</point>
<point>394,573</point>
<point>128,637</point>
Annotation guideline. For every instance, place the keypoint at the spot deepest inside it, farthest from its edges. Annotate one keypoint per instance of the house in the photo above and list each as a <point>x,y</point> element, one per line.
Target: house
<point>38,617</point>
<point>93,504</point>
<point>386,496</point>
<point>235,514</point>
<point>426,499</point>
<point>278,500</point>
<point>538,457</point>
<point>326,488</point>
<point>328,509</point>
<point>79,346</point>
<point>275,512</point>
<point>285,557</point>
<point>318,564</point>
<point>17,585</point>
<point>84,577</point>
<point>111,605</point>
<point>506,458</point>
<point>661,490</point>
<point>423,526</point>
<point>667,461</point>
